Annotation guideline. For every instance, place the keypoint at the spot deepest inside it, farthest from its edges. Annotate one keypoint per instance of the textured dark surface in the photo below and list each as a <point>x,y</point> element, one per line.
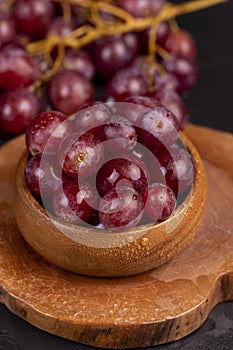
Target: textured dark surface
<point>210,103</point>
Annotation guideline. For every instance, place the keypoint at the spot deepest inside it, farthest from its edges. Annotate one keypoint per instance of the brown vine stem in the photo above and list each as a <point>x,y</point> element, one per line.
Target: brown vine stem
<point>125,23</point>
<point>66,10</point>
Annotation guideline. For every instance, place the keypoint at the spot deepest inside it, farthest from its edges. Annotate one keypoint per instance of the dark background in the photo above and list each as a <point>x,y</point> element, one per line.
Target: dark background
<point>210,104</point>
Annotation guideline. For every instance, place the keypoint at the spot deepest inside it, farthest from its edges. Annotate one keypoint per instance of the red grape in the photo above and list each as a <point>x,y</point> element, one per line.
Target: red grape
<point>90,117</point>
<point>80,155</point>
<point>81,62</point>
<point>119,133</point>
<point>33,16</point>
<point>7,29</point>
<point>163,31</point>
<point>127,82</point>
<point>181,44</point>
<point>159,201</point>
<point>119,171</point>
<point>172,101</point>
<point>70,90</point>
<point>17,109</point>
<point>142,104</point>
<point>112,54</point>
<point>141,8</point>
<point>60,27</point>
<point>177,167</point>
<point>158,128</point>
<point>46,131</point>
<point>43,175</point>
<point>185,72</point>
<point>74,202</point>
<point>120,209</point>
<point>17,68</point>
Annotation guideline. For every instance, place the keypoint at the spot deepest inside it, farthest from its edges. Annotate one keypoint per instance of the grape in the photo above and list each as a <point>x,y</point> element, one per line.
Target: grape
<point>185,72</point>
<point>80,62</point>
<point>119,133</point>
<point>73,202</point>
<point>165,81</point>
<point>33,16</point>
<point>158,128</point>
<point>47,130</point>
<point>177,167</point>
<point>70,90</point>
<point>132,41</point>
<point>90,118</point>
<point>181,44</point>
<point>119,171</point>
<point>17,68</point>
<point>17,109</point>
<point>141,8</point>
<point>7,29</point>
<point>60,27</point>
<point>127,82</point>
<point>172,101</point>
<point>134,107</point>
<point>80,155</point>
<point>159,201</point>
<point>120,209</point>
<point>43,175</point>
<point>162,33</point>
<point>111,55</point>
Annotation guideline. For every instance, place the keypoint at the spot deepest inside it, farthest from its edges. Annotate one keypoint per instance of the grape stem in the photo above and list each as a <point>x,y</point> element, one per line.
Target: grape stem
<point>101,27</point>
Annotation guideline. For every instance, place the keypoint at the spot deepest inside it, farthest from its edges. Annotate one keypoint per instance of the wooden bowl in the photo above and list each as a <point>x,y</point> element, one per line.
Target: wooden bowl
<point>98,253</point>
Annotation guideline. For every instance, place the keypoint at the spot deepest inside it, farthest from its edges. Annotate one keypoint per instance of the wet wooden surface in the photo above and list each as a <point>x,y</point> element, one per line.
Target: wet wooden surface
<point>155,307</point>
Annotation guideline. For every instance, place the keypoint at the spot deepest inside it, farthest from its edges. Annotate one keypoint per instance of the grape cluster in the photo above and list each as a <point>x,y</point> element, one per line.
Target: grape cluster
<point>64,78</point>
<point>106,167</point>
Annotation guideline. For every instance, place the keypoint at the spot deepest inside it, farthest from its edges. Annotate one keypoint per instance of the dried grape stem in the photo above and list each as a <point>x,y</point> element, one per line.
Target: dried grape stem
<point>124,23</point>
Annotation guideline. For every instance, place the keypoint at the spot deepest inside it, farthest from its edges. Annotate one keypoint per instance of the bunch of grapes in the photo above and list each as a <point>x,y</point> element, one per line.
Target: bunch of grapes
<point>110,165</point>
<point>60,55</point>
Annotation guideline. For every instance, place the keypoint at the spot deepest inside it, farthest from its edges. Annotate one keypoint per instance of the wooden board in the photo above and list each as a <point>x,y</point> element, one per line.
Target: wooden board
<point>144,310</point>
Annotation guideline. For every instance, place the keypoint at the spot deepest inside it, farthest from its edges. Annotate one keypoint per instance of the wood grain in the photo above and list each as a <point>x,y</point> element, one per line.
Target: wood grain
<point>159,306</point>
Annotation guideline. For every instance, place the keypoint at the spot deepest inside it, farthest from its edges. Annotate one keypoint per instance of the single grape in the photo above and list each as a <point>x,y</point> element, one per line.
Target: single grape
<point>127,82</point>
<point>81,62</point>
<point>165,82</point>
<point>120,209</point>
<point>7,29</point>
<point>141,8</point>
<point>43,175</point>
<point>119,133</point>
<point>172,101</point>
<point>80,155</point>
<point>158,128</point>
<point>17,109</point>
<point>46,131</point>
<point>161,35</point>
<point>17,68</point>
<point>132,41</point>
<point>181,44</point>
<point>90,117</point>
<point>33,16</point>
<point>74,202</point>
<point>135,106</point>
<point>61,27</point>
<point>185,72</point>
<point>177,167</point>
<point>70,90</point>
<point>111,55</point>
<point>119,171</point>
<point>159,201</point>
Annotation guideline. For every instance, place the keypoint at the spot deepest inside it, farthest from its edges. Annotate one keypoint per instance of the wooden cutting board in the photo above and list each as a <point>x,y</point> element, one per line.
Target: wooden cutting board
<point>139,311</point>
